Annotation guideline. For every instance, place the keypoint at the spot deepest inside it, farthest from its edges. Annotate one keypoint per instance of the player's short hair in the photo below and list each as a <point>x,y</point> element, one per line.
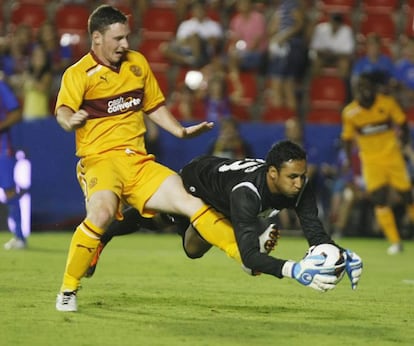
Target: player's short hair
<point>282,152</point>
<point>104,16</point>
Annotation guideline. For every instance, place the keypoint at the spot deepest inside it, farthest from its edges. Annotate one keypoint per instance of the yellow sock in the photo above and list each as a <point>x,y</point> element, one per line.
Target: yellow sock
<point>217,230</point>
<point>386,220</point>
<point>82,248</point>
<point>410,212</point>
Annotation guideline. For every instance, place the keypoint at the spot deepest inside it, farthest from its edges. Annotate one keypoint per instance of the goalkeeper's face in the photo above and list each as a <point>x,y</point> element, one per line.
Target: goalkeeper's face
<point>289,179</point>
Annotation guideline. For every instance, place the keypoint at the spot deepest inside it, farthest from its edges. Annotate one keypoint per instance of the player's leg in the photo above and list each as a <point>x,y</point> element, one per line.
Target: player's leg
<point>213,227</point>
<point>385,217</point>
<point>400,180</point>
<point>129,224</point>
<point>376,176</point>
<point>101,207</point>
<point>11,198</point>
<point>172,198</point>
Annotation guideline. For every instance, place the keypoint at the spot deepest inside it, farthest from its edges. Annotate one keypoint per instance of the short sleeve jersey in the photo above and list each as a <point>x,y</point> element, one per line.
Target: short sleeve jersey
<point>373,128</point>
<point>116,100</point>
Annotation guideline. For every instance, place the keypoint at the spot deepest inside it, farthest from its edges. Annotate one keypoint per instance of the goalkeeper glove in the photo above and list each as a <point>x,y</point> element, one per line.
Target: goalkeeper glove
<point>353,267</point>
<point>310,272</point>
<point>268,239</point>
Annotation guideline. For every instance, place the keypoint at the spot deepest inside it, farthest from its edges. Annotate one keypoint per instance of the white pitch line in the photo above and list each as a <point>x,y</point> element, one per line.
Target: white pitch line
<point>409,282</point>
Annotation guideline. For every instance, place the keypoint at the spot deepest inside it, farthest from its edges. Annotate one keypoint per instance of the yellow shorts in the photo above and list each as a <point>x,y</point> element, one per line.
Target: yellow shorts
<point>391,171</point>
<point>133,177</point>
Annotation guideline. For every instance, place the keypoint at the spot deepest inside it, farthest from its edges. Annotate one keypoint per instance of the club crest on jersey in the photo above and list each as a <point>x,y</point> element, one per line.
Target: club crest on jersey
<point>135,70</point>
<point>93,182</point>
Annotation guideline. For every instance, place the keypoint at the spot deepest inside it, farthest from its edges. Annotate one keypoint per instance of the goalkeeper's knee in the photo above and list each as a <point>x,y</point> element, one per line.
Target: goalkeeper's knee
<point>194,246</point>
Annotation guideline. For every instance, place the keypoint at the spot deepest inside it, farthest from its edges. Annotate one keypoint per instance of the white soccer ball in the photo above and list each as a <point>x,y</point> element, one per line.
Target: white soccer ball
<point>333,256</point>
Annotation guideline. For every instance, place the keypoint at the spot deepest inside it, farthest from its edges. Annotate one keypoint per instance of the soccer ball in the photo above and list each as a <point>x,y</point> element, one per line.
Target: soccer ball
<point>333,256</point>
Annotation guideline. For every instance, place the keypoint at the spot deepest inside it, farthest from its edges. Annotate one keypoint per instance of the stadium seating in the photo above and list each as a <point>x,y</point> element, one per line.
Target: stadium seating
<point>150,48</point>
<point>72,17</point>
<point>243,108</point>
<point>72,26</point>
<point>379,6</point>
<point>272,114</point>
<point>31,14</point>
<point>380,23</point>
<point>324,116</point>
<point>343,6</point>
<point>162,78</point>
<point>327,92</point>
<point>159,22</point>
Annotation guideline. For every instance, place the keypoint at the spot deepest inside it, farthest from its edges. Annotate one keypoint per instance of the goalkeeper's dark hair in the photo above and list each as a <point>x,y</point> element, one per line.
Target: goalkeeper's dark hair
<point>104,16</point>
<point>282,152</point>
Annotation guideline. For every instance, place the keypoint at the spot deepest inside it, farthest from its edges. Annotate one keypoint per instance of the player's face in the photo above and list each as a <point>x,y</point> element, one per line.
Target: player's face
<point>110,47</point>
<point>289,179</point>
<point>366,93</point>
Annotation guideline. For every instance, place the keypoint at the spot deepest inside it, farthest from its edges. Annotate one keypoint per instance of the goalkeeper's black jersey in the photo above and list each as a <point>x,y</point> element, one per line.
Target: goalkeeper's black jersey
<point>238,189</point>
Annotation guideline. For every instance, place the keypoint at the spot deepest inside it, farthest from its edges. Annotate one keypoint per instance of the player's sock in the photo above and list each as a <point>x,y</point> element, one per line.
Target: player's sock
<point>82,248</point>
<point>386,220</point>
<point>216,230</point>
<point>13,205</point>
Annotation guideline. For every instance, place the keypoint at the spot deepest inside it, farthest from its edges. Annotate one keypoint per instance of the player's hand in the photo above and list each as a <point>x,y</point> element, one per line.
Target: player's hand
<point>78,119</point>
<point>311,272</point>
<point>198,129</point>
<point>353,267</point>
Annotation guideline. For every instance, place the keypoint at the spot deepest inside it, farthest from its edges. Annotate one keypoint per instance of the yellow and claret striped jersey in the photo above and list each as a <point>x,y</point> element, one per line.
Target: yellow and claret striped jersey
<point>374,128</point>
<point>115,99</point>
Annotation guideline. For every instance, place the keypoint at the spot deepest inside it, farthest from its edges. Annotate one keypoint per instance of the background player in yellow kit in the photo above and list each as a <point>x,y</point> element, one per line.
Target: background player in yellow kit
<point>374,120</point>
<point>103,98</point>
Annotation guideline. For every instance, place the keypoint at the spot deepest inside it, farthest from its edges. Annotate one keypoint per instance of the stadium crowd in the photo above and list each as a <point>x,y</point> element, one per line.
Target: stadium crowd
<point>249,61</point>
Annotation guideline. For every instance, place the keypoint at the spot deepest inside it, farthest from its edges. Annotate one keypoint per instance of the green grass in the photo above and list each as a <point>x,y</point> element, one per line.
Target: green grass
<point>146,292</point>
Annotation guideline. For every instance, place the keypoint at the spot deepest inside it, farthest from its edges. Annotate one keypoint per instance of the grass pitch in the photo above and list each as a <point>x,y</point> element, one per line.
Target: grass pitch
<point>146,292</point>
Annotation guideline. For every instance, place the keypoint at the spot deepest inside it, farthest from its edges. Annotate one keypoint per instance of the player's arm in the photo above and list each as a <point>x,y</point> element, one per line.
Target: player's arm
<point>308,272</point>
<point>307,212</point>
<point>404,134</point>
<point>11,106</point>
<point>163,118</point>
<point>12,118</point>
<point>244,207</point>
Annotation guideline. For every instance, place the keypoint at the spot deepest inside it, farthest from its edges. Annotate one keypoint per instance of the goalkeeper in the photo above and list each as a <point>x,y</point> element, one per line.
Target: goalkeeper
<point>250,193</point>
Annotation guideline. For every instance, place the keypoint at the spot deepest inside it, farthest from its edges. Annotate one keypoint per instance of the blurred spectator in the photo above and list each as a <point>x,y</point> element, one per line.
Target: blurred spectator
<point>247,43</point>
<point>332,46</point>
<point>10,114</point>
<point>60,56</point>
<point>17,47</point>
<point>37,86</point>
<point>216,100</point>
<point>374,60</point>
<point>348,187</point>
<point>404,76</point>
<point>229,142</point>
<point>184,105</point>
<point>197,40</point>
<point>294,131</point>
<point>287,53</point>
